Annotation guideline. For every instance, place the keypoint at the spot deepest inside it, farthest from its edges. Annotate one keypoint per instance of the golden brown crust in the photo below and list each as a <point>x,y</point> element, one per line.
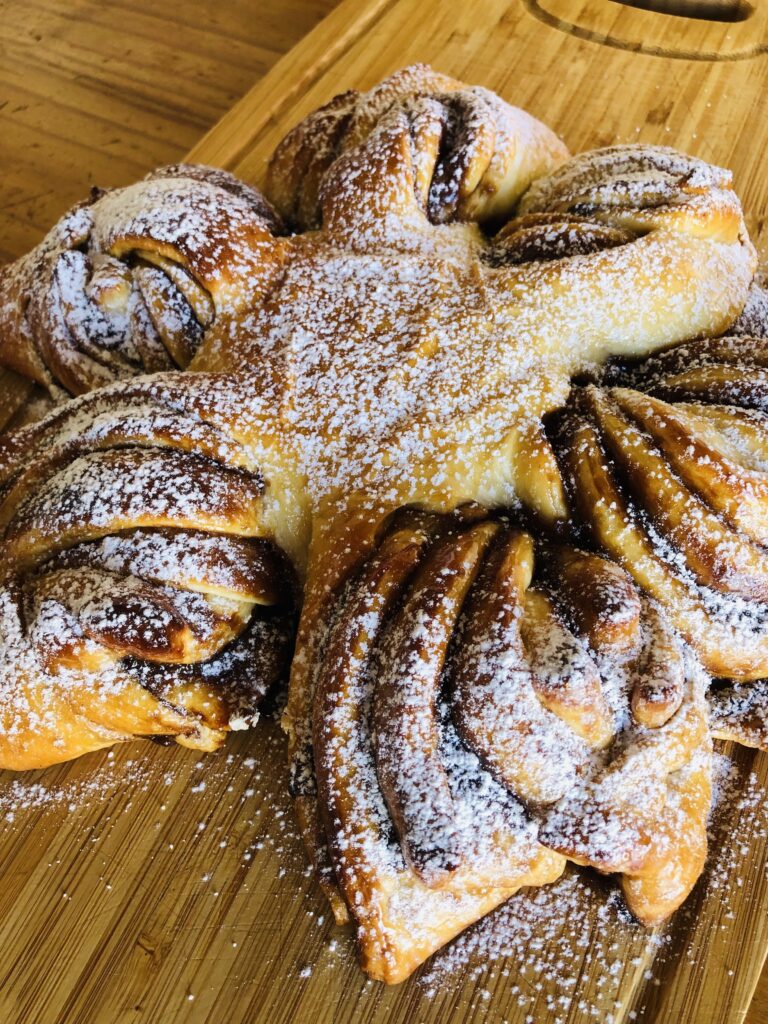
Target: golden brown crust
<point>472,154</point>
<point>445,626</point>
<point>607,612</point>
<point>129,281</point>
<point>405,726</point>
<point>674,489</point>
<point>134,600</point>
<point>399,352</point>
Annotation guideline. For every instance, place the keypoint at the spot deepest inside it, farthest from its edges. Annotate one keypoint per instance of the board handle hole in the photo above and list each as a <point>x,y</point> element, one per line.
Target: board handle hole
<point>704,10</point>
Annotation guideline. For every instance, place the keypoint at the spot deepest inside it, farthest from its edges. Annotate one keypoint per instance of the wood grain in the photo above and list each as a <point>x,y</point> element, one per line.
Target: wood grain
<point>153,884</point>
<point>100,93</point>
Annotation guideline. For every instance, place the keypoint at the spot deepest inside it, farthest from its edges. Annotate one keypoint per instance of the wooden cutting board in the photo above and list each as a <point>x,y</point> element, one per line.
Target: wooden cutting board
<point>152,884</point>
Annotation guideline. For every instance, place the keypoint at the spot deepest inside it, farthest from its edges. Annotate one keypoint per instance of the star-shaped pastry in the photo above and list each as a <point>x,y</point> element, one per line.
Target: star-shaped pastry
<point>416,413</point>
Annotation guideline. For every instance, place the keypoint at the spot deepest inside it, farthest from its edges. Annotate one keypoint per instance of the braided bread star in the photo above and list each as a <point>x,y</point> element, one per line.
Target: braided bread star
<point>487,677</point>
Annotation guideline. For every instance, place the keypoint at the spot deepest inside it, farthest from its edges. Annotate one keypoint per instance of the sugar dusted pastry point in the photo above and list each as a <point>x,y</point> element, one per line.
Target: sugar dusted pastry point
<point>139,593</point>
<point>402,916</point>
<point>129,281</point>
<point>472,154</point>
<point>669,477</point>
<point>602,786</point>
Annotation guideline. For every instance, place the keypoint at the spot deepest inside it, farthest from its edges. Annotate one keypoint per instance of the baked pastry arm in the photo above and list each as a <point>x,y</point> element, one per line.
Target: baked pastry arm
<point>130,280</point>
<point>141,590</point>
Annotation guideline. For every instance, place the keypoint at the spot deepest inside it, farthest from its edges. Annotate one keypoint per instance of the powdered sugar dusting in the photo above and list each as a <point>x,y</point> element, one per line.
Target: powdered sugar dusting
<point>397,355</point>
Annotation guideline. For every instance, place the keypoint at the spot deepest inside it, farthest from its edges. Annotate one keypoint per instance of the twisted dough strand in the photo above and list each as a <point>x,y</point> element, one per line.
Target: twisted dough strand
<point>138,594</point>
<point>670,478</point>
<point>131,279</point>
<point>604,795</point>
<point>472,154</point>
